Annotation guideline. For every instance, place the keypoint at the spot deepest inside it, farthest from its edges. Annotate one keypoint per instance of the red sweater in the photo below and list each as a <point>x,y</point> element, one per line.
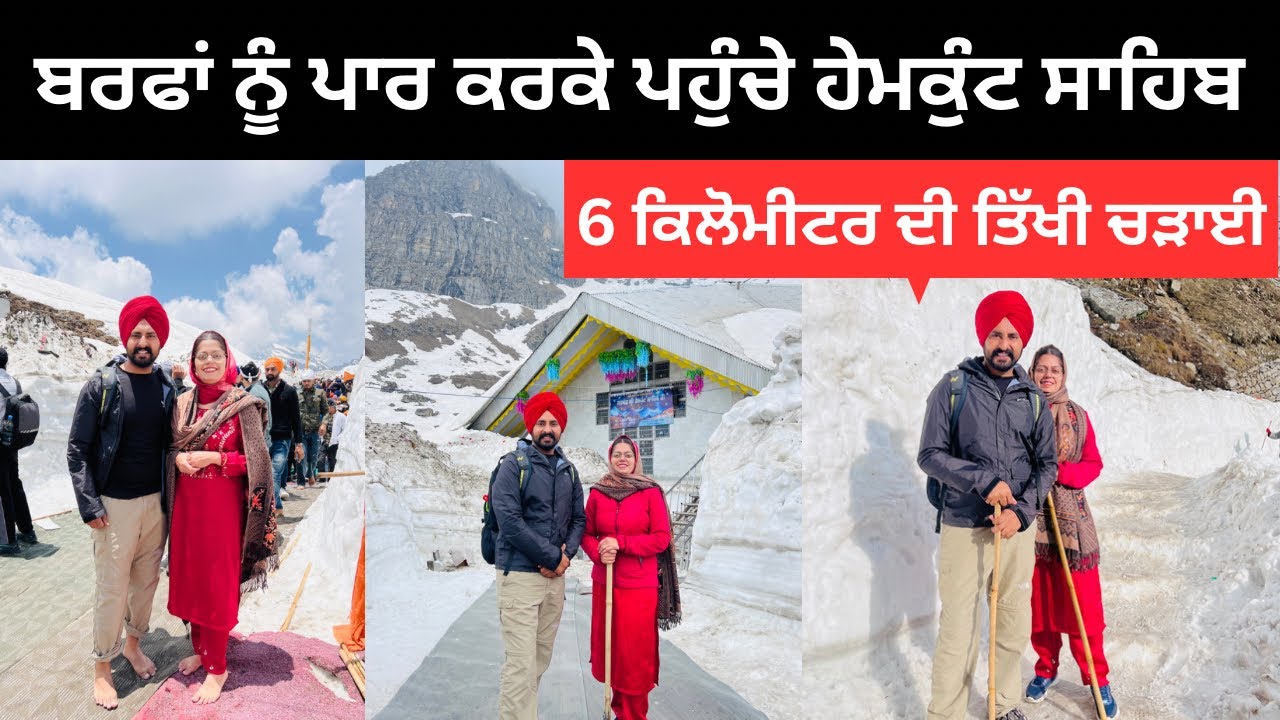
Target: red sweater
<point>1080,474</point>
<point>642,528</point>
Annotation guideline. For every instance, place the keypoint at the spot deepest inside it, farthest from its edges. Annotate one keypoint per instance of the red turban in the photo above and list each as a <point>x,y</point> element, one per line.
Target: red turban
<point>1000,305</point>
<point>143,307</point>
<point>541,403</point>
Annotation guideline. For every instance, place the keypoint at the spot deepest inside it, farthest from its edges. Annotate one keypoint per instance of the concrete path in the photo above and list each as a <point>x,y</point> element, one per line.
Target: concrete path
<point>459,679</point>
<point>46,639</point>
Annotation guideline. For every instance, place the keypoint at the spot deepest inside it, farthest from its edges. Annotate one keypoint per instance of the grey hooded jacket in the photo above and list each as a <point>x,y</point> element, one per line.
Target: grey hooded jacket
<point>995,441</point>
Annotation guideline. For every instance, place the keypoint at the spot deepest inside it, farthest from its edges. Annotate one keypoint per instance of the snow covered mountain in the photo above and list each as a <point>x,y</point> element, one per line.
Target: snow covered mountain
<point>1185,510</point>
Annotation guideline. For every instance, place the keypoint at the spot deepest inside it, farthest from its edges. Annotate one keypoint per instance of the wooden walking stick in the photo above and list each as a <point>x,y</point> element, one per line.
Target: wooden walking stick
<point>608,639</point>
<point>1075,605</point>
<point>991,644</point>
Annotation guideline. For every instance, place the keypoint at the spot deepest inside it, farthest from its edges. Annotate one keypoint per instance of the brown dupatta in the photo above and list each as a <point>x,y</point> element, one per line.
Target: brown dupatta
<point>259,554</point>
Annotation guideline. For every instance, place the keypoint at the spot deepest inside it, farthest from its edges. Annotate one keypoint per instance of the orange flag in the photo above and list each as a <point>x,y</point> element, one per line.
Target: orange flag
<point>352,635</point>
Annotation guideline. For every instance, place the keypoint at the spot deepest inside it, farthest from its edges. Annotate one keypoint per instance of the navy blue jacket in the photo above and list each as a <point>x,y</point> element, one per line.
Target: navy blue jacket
<point>552,513</point>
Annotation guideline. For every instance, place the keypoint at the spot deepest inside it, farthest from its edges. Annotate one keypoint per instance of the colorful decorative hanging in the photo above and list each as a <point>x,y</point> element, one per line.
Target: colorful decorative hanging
<point>695,381</point>
<point>553,368</point>
<point>618,365</point>
<point>521,398</point>
<point>643,354</point>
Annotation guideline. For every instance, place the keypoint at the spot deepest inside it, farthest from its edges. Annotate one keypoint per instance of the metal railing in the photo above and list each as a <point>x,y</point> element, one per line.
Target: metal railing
<point>682,502</point>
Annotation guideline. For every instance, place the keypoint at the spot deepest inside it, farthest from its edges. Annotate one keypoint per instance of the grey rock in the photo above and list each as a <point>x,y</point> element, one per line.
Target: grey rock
<point>462,228</point>
<point>1111,306</point>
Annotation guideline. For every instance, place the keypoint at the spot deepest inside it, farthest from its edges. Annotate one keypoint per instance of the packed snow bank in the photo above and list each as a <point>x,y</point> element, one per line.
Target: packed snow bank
<point>741,595</point>
<point>328,541</point>
<point>747,539</point>
<point>1236,541</point>
<point>870,594</point>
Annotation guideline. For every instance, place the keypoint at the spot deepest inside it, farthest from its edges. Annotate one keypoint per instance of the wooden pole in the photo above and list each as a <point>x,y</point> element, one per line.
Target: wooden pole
<point>991,644</point>
<point>355,666</point>
<point>296,596</point>
<point>1075,605</point>
<point>608,641</point>
<point>287,550</point>
<point>341,473</point>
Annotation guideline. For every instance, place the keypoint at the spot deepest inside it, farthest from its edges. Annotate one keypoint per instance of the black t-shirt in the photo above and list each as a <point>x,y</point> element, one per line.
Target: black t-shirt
<point>135,472</point>
<point>1003,383</point>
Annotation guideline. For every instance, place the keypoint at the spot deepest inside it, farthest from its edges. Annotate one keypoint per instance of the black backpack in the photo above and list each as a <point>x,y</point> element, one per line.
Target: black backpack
<point>24,413</point>
<point>935,489</point>
<point>489,533</point>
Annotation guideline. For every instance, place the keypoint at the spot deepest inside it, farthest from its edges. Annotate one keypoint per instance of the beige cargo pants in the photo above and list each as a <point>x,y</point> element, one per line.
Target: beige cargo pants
<point>126,558</point>
<point>966,559</point>
<point>529,609</point>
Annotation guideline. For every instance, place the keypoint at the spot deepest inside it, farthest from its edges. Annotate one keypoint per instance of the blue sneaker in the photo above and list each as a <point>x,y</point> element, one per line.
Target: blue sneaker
<point>1108,702</point>
<point>1038,687</point>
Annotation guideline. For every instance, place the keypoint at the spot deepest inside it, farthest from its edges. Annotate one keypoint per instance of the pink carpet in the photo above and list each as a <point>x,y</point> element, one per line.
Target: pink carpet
<point>271,677</point>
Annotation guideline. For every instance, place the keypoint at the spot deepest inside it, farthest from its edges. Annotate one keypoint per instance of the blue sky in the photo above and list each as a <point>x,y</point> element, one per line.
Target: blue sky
<point>252,248</point>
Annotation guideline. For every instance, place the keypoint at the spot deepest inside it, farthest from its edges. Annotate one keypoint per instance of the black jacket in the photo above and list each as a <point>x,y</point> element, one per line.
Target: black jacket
<point>94,438</point>
<point>552,514</point>
<point>286,417</point>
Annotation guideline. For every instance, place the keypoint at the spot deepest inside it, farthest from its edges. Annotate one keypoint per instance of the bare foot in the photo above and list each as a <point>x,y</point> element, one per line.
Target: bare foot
<point>210,689</point>
<point>140,662</point>
<point>189,664</point>
<point>104,690</point>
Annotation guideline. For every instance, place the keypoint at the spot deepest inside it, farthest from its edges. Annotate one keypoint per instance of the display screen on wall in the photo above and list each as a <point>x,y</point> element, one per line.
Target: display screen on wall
<point>654,406</point>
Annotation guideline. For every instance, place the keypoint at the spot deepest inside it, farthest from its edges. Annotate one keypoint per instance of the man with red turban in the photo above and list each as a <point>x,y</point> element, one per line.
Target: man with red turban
<point>986,443</point>
<point>537,501</point>
<point>120,433</point>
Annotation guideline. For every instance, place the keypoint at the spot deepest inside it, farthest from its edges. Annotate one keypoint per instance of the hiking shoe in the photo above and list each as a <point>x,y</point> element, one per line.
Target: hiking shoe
<point>1038,687</point>
<point>1108,702</point>
<point>1014,714</point>
<point>10,549</point>
<point>284,494</point>
<point>28,537</point>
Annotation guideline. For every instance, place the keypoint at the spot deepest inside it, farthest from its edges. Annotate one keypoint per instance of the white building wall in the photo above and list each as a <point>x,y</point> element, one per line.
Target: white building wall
<point>673,455</point>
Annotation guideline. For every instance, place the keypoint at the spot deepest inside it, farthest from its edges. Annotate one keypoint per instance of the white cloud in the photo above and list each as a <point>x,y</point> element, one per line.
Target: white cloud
<point>79,259</point>
<point>165,200</point>
<point>272,303</point>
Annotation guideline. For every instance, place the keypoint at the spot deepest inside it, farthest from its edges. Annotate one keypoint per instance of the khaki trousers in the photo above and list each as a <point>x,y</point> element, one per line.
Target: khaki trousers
<point>126,556</point>
<point>529,608</point>
<point>966,559</point>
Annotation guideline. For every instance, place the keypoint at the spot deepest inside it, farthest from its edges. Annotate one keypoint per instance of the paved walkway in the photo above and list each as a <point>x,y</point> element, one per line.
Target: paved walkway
<point>46,637</point>
<point>459,679</point>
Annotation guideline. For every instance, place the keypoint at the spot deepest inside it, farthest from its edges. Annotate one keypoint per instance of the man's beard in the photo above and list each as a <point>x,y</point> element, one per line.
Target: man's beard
<point>544,436</point>
<point>142,362</point>
<point>1001,360</point>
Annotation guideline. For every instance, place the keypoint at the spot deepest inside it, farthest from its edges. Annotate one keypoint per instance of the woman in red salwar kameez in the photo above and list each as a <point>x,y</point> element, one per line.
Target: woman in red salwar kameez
<point>222,533</point>
<point>1052,614</point>
<point>628,527</point>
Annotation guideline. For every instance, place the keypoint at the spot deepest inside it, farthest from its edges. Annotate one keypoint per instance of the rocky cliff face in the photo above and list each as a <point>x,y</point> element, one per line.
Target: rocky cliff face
<point>1209,334</point>
<point>462,228</point>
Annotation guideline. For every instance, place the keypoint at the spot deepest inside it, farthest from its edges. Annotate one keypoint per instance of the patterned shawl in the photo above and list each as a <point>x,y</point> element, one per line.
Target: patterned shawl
<point>1075,520</point>
<point>620,486</point>
<point>259,555</point>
